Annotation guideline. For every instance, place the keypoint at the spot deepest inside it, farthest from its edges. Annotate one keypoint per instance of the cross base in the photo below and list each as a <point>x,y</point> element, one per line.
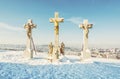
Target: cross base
<point>55,54</point>
<point>28,53</point>
<point>85,54</point>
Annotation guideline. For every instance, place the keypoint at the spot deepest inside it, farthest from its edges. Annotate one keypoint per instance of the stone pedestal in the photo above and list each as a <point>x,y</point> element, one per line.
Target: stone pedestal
<point>28,51</point>
<point>56,52</point>
<point>28,54</point>
<point>85,54</point>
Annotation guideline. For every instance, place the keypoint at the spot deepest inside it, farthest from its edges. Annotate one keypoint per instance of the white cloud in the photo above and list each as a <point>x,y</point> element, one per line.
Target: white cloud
<point>9,27</point>
<point>11,34</point>
<point>75,20</point>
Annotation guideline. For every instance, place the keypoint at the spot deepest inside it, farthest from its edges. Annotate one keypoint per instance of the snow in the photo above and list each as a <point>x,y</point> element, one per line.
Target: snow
<point>13,65</point>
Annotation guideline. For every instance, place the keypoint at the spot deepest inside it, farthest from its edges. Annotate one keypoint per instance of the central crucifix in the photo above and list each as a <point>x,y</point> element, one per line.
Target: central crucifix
<point>56,20</point>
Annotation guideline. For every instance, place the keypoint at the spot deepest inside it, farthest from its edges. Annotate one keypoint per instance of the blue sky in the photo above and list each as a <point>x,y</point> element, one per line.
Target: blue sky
<point>104,14</point>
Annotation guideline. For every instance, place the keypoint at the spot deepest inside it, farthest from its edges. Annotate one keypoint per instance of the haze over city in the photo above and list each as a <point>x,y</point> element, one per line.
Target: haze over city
<point>103,14</point>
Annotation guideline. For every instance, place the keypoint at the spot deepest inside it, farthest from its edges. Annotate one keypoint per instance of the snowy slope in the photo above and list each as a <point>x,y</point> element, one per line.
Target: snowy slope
<point>14,66</point>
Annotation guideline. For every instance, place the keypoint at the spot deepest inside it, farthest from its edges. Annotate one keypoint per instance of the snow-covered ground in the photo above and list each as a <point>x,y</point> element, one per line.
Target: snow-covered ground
<point>13,65</point>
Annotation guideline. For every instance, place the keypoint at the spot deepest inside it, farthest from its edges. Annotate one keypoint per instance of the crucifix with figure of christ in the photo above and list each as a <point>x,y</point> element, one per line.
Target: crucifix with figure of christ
<point>56,20</point>
<point>85,26</point>
<point>29,50</point>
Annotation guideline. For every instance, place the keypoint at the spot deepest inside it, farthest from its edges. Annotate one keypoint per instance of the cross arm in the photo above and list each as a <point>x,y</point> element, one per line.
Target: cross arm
<point>34,26</point>
<point>90,25</point>
<point>25,26</point>
<point>51,19</point>
<point>81,25</point>
<point>60,19</point>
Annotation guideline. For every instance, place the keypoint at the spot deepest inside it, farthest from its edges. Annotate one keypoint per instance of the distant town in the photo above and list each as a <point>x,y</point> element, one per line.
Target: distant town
<point>68,50</point>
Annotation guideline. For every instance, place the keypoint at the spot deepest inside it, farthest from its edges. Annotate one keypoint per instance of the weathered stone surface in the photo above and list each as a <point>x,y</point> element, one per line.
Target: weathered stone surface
<point>56,49</point>
<point>85,26</point>
<point>28,53</point>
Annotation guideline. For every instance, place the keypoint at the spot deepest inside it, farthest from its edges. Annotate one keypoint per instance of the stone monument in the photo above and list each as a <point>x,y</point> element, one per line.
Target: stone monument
<point>85,52</point>
<point>62,49</point>
<point>29,50</point>
<point>56,49</point>
<point>50,47</point>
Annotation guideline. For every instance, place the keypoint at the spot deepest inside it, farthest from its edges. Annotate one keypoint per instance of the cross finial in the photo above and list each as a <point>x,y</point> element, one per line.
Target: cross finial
<point>30,21</point>
<point>56,14</point>
<point>85,22</point>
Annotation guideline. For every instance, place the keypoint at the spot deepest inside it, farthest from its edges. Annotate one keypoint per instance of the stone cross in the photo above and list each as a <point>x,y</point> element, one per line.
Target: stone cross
<point>85,26</point>
<point>29,26</point>
<point>56,20</point>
